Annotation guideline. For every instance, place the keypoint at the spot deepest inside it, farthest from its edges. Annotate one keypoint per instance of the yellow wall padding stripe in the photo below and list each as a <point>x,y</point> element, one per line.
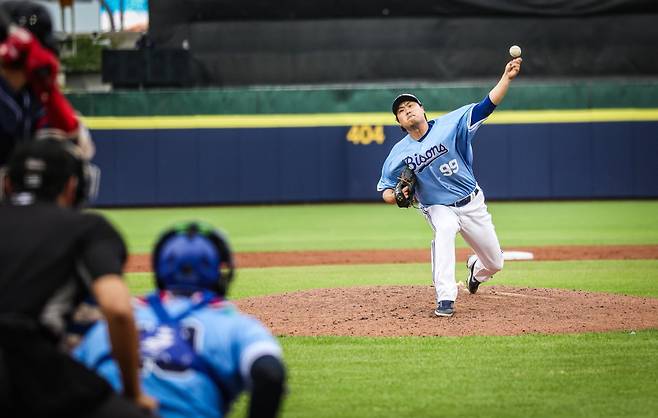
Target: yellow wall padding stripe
<point>349,119</point>
<point>574,116</point>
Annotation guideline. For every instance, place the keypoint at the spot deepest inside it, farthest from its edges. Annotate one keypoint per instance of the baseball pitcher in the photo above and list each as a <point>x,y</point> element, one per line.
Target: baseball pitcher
<point>439,154</point>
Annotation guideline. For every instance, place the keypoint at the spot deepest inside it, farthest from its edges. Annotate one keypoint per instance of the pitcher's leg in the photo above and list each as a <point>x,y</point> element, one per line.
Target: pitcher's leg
<point>445,224</point>
<point>479,232</point>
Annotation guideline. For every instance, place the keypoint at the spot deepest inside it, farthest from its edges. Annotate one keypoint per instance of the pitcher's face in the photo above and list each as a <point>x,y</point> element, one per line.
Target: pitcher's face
<point>410,114</point>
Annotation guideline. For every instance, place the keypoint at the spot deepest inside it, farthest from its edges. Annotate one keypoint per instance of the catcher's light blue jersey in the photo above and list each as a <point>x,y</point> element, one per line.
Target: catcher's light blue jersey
<point>442,159</point>
<point>204,383</point>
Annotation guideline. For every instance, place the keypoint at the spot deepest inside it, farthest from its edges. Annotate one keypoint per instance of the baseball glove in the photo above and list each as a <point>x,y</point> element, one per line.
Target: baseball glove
<point>407,178</point>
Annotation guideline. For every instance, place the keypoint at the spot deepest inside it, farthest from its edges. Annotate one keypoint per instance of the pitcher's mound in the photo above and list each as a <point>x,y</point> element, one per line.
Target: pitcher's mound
<point>409,310</point>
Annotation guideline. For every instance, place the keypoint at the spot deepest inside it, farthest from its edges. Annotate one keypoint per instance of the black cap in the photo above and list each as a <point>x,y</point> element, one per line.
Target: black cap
<point>404,97</point>
<point>42,168</point>
<point>33,17</point>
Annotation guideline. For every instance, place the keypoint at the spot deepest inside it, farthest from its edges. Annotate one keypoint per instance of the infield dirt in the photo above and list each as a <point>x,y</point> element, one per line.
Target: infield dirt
<point>142,262</point>
<point>408,310</point>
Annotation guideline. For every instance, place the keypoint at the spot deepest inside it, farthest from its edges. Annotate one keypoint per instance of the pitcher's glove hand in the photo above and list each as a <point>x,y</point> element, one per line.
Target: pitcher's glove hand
<point>404,189</point>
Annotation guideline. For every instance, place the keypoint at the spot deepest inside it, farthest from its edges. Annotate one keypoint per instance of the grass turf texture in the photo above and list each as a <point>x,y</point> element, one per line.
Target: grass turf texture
<point>588,375</point>
<point>630,277</point>
<point>373,226</point>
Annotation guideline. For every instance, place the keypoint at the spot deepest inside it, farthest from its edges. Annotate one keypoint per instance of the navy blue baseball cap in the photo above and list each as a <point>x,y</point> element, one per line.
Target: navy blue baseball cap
<point>404,97</point>
<point>33,17</point>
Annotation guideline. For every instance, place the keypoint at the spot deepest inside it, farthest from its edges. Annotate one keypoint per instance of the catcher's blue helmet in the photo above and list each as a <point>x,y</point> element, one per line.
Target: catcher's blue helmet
<point>193,256</point>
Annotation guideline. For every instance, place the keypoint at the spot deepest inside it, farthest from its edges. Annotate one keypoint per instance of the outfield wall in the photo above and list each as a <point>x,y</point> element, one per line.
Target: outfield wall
<point>307,164</point>
<point>332,150</point>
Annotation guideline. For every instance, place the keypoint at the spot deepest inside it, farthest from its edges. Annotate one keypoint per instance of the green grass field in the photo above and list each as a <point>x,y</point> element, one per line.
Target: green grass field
<point>587,375</point>
<point>372,226</point>
<point>631,277</point>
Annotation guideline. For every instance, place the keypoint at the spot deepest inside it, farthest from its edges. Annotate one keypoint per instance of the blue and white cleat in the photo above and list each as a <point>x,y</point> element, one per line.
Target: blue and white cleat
<point>445,308</point>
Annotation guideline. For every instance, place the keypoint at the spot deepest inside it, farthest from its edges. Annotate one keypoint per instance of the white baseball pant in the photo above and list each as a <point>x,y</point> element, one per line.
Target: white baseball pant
<point>474,223</point>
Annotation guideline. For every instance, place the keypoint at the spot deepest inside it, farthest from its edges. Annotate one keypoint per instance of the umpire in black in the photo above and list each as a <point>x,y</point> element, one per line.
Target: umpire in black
<point>52,256</point>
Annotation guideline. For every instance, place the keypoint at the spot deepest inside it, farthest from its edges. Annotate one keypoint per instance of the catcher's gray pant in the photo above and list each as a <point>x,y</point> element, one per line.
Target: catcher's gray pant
<point>473,221</point>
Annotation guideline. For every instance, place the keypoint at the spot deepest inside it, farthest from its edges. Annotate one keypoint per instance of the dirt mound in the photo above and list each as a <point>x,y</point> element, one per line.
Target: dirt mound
<point>409,310</point>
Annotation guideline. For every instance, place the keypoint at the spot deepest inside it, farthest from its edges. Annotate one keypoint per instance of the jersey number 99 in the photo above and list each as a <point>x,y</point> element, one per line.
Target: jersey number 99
<point>449,168</point>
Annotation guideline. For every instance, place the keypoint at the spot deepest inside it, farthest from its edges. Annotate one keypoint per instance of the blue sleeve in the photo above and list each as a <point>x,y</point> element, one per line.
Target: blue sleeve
<point>94,352</point>
<point>252,342</point>
<point>465,132</point>
<point>387,180</point>
<point>482,110</point>
<point>93,346</point>
<point>390,171</point>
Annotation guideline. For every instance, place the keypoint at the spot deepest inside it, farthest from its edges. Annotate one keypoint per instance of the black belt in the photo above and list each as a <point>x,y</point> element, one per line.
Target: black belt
<point>465,201</point>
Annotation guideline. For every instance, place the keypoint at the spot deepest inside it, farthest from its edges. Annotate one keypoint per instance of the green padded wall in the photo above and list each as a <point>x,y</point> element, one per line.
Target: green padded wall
<point>525,95</point>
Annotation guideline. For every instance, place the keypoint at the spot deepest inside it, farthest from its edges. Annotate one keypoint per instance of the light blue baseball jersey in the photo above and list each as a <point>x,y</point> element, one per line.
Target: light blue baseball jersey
<point>225,341</point>
<point>442,159</point>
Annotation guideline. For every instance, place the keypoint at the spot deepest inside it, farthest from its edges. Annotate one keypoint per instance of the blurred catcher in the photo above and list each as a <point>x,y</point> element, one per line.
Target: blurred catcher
<point>198,351</point>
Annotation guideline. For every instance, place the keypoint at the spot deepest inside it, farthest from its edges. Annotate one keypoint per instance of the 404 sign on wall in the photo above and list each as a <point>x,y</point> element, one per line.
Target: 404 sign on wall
<point>366,134</point>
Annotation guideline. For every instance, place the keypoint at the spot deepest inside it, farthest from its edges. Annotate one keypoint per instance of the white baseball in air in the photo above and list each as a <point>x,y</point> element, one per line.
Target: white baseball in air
<point>515,51</point>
